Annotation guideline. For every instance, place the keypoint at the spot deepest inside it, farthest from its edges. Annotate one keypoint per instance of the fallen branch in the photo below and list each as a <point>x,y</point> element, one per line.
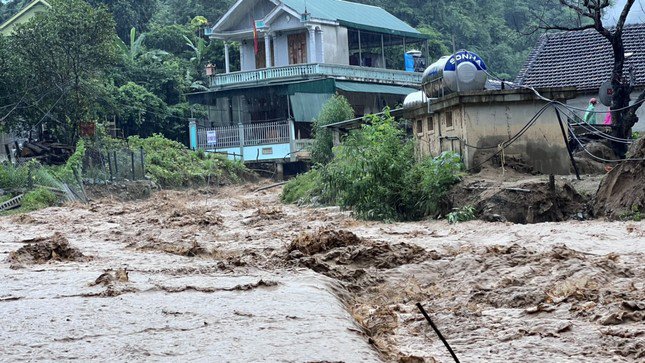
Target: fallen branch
<point>270,187</point>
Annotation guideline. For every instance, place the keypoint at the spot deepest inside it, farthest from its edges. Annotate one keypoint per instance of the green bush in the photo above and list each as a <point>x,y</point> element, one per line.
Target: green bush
<point>336,109</point>
<point>375,174</point>
<point>13,177</point>
<point>464,214</point>
<point>171,164</point>
<point>428,182</point>
<point>369,168</point>
<point>304,189</point>
<point>38,199</point>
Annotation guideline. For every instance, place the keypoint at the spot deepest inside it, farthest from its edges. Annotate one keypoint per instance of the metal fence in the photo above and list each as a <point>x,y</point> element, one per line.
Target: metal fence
<point>102,165</point>
<point>266,133</point>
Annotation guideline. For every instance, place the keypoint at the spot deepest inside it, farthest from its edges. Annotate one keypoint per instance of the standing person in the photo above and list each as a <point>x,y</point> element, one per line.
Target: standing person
<point>590,115</point>
<point>607,119</point>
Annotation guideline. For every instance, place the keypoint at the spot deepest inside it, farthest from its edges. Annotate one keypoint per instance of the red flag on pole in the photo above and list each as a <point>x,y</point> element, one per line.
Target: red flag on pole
<point>256,44</point>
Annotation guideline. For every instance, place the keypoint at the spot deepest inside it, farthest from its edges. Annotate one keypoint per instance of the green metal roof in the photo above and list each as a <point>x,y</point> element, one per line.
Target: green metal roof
<point>374,88</point>
<point>355,15</point>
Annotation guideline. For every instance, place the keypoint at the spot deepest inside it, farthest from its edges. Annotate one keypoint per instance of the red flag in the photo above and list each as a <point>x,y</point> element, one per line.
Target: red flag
<point>256,44</point>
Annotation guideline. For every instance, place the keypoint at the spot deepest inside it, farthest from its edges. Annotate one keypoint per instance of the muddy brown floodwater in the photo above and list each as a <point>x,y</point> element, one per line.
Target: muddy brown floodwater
<point>233,275</point>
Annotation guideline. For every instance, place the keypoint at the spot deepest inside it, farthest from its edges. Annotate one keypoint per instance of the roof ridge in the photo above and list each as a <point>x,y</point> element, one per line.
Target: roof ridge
<point>583,59</point>
<point>535,52</point>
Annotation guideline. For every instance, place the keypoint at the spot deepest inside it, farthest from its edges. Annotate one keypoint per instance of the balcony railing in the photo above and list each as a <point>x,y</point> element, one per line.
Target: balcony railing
<point>364,74</point>
<point>245,135</point>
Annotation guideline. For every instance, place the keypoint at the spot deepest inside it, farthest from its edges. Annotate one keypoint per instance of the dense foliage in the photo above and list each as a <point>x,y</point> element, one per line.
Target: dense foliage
<point>171,164</point>
<point>375,174</point>
<point>336,109</point>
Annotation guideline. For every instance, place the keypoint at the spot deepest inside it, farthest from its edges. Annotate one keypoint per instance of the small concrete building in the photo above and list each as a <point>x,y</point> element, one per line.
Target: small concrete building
<point>479,124</point>
<point>584,60</point>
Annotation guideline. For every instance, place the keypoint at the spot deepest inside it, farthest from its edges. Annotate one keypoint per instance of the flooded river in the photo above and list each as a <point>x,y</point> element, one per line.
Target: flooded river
<point>216,276</point>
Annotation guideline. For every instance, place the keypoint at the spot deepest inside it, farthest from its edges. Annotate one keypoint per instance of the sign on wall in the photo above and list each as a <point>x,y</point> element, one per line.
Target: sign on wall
<point>211,137</point>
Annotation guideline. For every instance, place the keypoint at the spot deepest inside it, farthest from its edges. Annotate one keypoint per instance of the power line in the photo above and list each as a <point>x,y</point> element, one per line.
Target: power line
<point>573,134</point>
<point>560,103</point>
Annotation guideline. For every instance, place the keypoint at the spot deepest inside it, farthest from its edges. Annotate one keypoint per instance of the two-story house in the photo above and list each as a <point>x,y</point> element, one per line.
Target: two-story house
<point>294,55</point>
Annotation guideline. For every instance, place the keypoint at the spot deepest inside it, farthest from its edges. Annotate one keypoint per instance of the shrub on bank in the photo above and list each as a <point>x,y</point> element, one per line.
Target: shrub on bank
<point>374,173</point>
<point>304,189</point>
<point>171,164</point>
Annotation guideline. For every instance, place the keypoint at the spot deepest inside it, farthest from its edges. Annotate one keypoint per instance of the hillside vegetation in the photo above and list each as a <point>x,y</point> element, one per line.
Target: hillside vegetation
<point>134,61</point>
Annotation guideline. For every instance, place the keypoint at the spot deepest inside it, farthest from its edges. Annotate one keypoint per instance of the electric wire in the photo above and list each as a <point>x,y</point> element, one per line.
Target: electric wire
<point>582,146</point>
<point>512,84</point>
<point>595,131</point>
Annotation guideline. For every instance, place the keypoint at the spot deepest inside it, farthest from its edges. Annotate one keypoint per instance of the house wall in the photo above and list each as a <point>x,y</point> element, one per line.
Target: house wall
<point>281,50</point>
<point>488,124</point>
<point>259,11</point>
<point>24,18</point>
<point>247,55</point>
<point>336,44</point>
<point>582,101</point>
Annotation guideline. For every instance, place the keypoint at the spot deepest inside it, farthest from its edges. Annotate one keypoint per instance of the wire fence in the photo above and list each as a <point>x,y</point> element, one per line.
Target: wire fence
<point>102,165</point>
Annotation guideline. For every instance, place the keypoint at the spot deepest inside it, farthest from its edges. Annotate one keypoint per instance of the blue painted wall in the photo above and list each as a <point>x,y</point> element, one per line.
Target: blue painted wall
<point>253,153</point>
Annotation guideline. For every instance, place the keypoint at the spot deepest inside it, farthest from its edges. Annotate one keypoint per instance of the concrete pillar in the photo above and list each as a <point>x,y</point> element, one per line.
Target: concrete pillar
<point>267,49</point>
<point>279,171</point>
<point>312,44</point>
<point>227,58</point>
<point>322,47</point>
<point>241,134</point>
<point>192,132</point>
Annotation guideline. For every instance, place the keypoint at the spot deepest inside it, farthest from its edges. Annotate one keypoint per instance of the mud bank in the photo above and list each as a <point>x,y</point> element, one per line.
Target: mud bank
<point>235,276</point>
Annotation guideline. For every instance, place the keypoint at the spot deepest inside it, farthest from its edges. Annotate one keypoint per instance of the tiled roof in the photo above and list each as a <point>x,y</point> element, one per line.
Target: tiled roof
<point>583,59</point>
<point>354,14</point>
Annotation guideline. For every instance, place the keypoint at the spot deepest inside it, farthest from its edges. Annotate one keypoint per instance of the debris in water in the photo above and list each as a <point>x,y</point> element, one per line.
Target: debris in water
<point>110,277</point>
<point>323,240</point>
<point>42,250</point>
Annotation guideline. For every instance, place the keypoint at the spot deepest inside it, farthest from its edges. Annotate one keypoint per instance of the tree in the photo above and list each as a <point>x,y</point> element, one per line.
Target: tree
<point>64,55</point>
<point>590,14</point>
<point>336,109</point>
<point>129,14</point>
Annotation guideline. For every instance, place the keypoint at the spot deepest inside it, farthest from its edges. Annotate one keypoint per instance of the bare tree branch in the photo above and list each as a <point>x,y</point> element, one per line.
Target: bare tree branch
<point>623,16</point>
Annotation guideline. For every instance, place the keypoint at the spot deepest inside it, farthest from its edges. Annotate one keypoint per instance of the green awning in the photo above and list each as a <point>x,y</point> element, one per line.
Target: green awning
<point>374,88</point>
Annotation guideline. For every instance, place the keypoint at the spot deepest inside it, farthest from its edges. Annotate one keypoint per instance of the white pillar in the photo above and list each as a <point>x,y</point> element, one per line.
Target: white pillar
<point>322,47</point>
<point>227,58</point>
<point>312,44</point>
<point>267,49</point>
<point>275,52</point>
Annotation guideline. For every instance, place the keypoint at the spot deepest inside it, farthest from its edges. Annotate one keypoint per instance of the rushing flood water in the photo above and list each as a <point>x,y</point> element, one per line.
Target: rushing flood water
<point>210,279</point>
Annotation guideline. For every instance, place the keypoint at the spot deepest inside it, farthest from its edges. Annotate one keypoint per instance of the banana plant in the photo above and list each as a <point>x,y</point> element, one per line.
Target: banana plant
<point>199,49</point>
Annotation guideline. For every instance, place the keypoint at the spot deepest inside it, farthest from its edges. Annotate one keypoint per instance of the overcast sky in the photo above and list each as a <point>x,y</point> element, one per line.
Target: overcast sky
<point>637,15</point>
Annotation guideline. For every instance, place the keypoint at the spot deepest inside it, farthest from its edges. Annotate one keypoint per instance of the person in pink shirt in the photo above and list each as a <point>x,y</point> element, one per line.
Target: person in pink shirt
<point>607,121</point>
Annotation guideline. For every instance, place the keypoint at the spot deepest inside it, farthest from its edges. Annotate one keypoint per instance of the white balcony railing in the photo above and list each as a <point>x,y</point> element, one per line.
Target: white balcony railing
<point>365,74</point>
<point>267,133</point>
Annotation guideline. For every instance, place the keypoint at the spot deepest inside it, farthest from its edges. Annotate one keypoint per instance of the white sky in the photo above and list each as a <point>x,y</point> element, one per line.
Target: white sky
<point>636,15</point>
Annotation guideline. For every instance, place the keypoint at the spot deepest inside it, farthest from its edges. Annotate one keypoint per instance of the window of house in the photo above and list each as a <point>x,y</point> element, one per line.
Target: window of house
<point>430,124</point>
<point>419,126</point>
<point>449,123</point>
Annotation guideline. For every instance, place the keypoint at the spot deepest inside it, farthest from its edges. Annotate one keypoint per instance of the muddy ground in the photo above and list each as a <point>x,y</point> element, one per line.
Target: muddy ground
<point>233,275</point>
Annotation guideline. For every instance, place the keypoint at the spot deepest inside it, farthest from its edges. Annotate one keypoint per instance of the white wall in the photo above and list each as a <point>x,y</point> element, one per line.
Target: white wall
<point>336,44</point>
<point>247,55</point>
<point>281,50</point>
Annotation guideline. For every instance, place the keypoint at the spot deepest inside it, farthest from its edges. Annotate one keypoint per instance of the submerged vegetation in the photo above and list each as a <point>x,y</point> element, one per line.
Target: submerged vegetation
<point>374,173</point>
